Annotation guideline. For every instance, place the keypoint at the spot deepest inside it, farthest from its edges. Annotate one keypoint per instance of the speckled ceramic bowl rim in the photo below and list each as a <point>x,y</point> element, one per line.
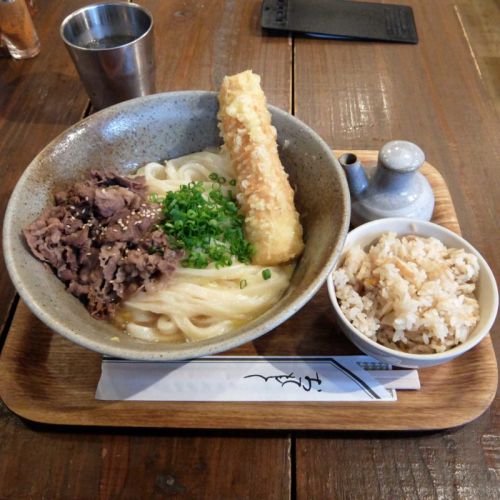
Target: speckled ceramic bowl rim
<point>192,350</point>
<point>454,351</point>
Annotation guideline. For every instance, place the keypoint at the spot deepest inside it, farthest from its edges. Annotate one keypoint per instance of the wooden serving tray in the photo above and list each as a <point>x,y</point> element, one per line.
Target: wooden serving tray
<point>45,378</point>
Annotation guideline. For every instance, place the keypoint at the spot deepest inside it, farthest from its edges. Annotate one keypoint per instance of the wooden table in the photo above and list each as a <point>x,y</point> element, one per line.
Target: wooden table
<point>357,96</point>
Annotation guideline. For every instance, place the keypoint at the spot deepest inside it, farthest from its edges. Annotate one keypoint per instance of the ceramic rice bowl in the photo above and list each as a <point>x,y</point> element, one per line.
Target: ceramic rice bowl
<point>486,292</point>
<point>156,128</point>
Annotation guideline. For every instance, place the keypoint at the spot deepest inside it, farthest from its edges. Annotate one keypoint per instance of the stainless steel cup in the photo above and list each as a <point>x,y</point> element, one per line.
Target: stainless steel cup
<point>112,46</point>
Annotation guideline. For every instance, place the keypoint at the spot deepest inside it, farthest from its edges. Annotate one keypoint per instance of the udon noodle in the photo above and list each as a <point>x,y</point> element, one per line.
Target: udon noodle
<point>196,304</point>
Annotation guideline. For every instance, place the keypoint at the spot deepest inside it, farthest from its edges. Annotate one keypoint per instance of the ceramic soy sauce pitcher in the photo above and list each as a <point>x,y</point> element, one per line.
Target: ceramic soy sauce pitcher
<point>394,188</point>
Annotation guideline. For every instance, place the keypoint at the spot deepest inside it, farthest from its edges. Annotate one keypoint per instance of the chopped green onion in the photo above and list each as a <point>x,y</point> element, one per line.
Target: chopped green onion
<point>243,284</point>
<point>232,182</point>
<point>155,198</point>
<point>217,179</point>
<point>206,224</point>
<point>266,274</point>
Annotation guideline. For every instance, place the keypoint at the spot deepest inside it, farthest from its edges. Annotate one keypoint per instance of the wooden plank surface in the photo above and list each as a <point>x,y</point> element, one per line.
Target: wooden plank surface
<point>197,43</point>
<point>480,23</point>
<point>48,379</point>
<point>359,96</point>
<point>76,464</point>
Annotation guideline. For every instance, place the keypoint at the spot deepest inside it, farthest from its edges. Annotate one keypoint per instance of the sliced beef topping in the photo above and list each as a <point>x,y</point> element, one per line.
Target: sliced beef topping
<point>100,239</point>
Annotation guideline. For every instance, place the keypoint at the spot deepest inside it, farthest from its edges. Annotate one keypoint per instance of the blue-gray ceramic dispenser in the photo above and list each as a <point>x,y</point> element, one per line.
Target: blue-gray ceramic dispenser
<point>394,188</point>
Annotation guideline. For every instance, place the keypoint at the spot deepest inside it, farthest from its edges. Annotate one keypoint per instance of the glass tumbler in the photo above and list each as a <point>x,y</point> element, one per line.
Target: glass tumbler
<point>17,29</point>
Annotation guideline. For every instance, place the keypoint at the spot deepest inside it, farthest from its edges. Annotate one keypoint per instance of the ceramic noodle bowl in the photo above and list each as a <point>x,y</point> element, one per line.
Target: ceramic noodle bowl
<point>156,128</point>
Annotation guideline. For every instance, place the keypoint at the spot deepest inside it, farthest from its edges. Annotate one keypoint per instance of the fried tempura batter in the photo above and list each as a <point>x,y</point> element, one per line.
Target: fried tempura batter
<point>265,196</point>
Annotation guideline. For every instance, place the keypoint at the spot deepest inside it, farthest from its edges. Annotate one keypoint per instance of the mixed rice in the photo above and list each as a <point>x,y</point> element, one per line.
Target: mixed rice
<point>411,293</point>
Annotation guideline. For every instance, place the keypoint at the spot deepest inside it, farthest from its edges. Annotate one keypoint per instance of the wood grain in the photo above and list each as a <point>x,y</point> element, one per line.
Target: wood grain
<point>360,95</point>
<point>402,466</point>
<point>479,20</point>
<point>198,43</point>
<point>39,98</point>
<point>47,379</point>
<point>71,464</point>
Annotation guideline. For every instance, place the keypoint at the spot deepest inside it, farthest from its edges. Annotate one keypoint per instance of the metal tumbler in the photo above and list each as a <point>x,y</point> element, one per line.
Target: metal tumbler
<point>112,46</point>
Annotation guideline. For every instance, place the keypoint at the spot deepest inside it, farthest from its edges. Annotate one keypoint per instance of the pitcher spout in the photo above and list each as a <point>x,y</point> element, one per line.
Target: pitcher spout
<point>355,173</point>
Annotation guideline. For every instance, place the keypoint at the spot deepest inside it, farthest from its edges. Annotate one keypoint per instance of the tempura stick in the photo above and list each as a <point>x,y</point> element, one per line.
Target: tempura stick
<point>265,196</point>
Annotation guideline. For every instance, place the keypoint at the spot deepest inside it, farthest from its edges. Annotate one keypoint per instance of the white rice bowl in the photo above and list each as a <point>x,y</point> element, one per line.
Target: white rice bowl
<point>417,296</point>
<point>411,293</point>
